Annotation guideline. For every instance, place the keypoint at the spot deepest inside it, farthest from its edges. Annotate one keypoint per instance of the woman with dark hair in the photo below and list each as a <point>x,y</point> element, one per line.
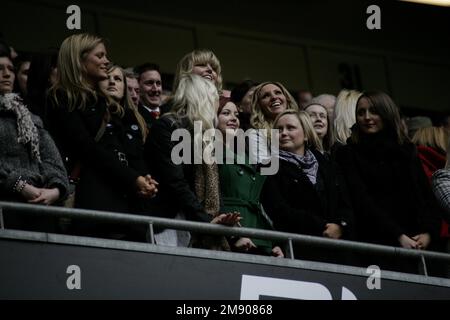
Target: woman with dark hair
<point>31,169</point>
<point>241,184</point>
<point>242,96</point>
<point>94,132</point>
<point>22,64</point>
<point>41,76</point>
<point>390,193</point>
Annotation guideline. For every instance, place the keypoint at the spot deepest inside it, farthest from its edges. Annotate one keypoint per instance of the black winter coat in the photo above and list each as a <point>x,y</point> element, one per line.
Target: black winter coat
<point>389,190</point>
<point>109,167</point>
<point>296,205</point>
<point>176,181</point>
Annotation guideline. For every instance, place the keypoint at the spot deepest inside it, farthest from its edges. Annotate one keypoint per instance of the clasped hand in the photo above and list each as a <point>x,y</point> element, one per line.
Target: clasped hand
<point>147,186</point>
<point>40,195</point>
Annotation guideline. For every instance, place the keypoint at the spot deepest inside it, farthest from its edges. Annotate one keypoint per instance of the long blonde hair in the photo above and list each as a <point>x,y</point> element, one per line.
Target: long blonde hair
<point>311,137</point>
<point>70,77</point>
<point>190,60</point>
<point>195,99</point>
<point>434,137</point>
<point>127,103</point>
<point>345,114</point>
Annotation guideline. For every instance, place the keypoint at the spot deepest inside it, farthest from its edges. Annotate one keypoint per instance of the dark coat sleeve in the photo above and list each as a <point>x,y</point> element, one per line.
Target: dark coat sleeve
<point>341,207</point>
<point>73,133</point>
<point>173,182</point>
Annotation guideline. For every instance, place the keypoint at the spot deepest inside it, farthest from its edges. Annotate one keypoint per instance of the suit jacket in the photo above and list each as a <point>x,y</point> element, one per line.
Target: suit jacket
<point>147,115</point>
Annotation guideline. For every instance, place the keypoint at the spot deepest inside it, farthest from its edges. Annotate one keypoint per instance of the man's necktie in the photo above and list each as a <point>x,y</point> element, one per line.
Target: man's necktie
<point>155,114</point>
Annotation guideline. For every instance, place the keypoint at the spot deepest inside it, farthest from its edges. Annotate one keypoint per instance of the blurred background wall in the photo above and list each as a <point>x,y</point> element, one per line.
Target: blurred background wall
<point>322,46</point>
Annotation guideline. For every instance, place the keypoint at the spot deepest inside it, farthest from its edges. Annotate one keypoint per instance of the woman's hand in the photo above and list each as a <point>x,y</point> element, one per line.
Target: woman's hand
<point>333,231</point>
<point>244,244</point>
<point>423,240</point>
<point>47,196</point>
<point>228,219</point>
<point>407,243</point>
<point>30,192</point>
<point>277,252</point>
<point>147,187</point>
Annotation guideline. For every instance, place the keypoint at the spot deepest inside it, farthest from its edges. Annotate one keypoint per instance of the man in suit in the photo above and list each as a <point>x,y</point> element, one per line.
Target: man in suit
<point>150,85</point>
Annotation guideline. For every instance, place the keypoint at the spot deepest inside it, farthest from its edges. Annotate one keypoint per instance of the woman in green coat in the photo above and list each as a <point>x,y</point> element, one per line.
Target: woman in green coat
<point>241,185</point>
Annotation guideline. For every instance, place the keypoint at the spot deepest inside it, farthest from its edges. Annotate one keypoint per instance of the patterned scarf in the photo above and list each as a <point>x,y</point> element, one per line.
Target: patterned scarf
<point>207,191</point>
<point>308,163</point>
<point>207,187</point>
<point>26,129</point>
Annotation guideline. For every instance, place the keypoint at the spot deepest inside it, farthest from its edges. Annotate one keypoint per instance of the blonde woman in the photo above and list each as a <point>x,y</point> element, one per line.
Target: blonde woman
<point>202,62</point>
<point>97,134</point>
<point>269,100</point>
<point>305,196</point>
<point>322,124</point>
<point>431,143</point>
<point>344,113</point>
<point>188,191</point>
<point>115,86</point>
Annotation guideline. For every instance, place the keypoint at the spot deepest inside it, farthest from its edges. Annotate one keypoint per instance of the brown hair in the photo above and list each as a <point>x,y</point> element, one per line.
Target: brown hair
<point>222,102</point>
<point>389,113</point>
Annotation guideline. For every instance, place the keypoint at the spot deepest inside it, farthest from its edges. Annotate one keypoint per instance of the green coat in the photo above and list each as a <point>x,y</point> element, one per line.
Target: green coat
<point>240,187</point>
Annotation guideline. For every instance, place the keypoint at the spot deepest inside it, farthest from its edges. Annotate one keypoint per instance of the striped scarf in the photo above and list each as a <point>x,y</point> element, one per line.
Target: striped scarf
<point>308,163</point>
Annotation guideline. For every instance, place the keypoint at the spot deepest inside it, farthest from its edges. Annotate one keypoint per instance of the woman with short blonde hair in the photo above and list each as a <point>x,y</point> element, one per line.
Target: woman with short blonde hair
<point>306,195</point>
<point>202,62</point>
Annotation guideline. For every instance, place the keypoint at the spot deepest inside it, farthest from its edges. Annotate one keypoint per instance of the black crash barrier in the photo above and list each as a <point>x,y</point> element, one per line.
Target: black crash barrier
<point>36,265</point>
